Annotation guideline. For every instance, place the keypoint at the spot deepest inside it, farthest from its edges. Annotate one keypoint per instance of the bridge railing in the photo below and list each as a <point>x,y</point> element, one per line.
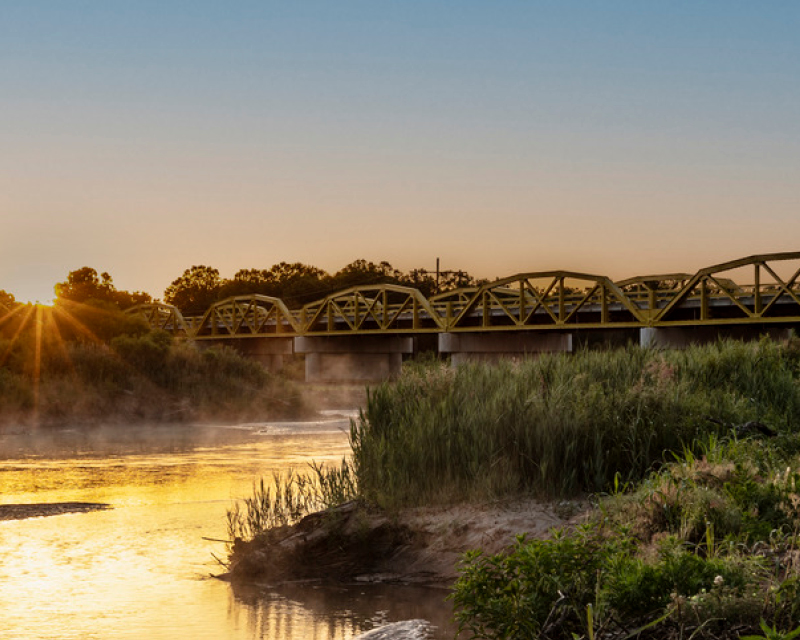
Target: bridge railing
<point>449,304</point>
<point>653,292</point>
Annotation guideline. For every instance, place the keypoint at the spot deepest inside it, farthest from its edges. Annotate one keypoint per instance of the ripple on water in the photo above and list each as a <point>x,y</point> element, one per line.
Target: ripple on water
<point>141,568</point>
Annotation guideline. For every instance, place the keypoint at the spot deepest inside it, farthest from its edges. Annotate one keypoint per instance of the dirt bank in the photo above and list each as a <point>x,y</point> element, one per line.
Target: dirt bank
<point>422,545</point>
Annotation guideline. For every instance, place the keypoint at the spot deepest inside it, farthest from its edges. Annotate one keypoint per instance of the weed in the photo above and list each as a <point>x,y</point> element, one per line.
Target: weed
<point>772,633</point>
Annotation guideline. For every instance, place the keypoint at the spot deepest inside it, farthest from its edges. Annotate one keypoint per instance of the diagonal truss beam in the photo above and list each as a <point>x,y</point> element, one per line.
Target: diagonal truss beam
<point>241,316</point>
<point>369,309</point>
<point>547,299</point>
<point>527,301</point>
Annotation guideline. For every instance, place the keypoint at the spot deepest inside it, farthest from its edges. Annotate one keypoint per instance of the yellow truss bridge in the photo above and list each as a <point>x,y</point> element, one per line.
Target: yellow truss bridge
<point>528,302</point>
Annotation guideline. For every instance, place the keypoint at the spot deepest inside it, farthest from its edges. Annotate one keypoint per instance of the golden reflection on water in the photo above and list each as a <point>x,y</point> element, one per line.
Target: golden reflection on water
<point>140,569</point>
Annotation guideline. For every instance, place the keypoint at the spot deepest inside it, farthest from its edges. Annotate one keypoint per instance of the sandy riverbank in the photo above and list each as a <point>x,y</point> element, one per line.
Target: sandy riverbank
<point>413,546</point>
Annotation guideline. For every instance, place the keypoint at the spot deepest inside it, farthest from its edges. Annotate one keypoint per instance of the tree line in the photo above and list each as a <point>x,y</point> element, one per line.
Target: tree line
<point>201,286</point>
<point>297,284</point>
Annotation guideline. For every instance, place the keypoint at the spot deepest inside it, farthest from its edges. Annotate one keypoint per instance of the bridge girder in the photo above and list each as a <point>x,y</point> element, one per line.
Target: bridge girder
<point>710,297</point>
<point>547,300</point>
<point>162,316</point>
<point>450,303</point>
<point>247,316</point>
<point>383,308</point>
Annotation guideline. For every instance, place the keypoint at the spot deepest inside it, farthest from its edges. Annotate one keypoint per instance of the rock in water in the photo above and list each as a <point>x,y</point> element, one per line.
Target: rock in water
<point>405,630</point>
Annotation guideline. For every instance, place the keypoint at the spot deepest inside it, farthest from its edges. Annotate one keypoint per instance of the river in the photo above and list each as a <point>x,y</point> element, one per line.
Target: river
<point>142,568</point>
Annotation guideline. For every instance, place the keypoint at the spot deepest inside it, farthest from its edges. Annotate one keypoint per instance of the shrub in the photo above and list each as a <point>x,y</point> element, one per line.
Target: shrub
<point>144,376</point>
<point>677,557</point>
<point>146,354</point>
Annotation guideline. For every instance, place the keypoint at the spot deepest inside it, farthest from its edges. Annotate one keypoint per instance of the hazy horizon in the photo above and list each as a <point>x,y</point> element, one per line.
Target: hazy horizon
<point>501,137</point>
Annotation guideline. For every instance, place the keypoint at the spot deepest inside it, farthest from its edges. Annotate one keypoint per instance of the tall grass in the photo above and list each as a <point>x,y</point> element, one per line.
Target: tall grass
<point>289,497</point>
<point>561,424</point>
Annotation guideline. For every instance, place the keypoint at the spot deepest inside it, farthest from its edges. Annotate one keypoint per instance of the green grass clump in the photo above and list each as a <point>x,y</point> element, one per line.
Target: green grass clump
<point>559,425</point>
<point>707,547</point>
<point>290,497</point>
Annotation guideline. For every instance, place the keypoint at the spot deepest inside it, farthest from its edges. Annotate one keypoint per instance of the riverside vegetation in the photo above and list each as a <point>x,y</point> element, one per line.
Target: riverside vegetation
<point>88,364</point>
<point>695,529</point>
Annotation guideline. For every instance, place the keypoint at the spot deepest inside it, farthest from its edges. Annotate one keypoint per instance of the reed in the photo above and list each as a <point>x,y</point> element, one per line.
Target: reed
<point>558,425</point>
<point>289,497</point>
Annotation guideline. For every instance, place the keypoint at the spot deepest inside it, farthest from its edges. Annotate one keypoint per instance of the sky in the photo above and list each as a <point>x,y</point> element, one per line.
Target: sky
<point>615,138</point>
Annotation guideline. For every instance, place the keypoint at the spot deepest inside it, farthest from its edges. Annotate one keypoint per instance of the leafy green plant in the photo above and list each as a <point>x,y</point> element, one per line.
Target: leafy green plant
<point>671,558</point>
<point>772,633</point>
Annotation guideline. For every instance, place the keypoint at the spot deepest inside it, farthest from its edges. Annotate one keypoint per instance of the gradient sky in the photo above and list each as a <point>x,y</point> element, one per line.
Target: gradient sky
<point>619,138</point>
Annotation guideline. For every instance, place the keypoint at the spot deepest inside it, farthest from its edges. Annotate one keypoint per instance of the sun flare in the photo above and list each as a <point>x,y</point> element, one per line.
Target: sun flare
<point>42,326</point>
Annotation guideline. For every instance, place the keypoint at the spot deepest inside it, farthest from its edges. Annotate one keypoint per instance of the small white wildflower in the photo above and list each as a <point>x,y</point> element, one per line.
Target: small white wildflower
<point>719,581</point>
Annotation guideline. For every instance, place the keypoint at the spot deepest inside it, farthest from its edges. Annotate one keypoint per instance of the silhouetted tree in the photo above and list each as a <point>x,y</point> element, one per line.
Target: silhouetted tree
<point>420,279</point>
<point>7,301</point>
<point>449,280</point>
<point>361,272</point>
<point>299,283</point>
<point>84,285</point>
<point>295,283</point>
<point>95,320</point>
<point>248,281</point>
<point>195,291</point>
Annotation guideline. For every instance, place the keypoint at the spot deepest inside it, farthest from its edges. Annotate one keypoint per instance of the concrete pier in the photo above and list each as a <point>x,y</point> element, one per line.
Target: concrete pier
<point>353,358</point>
<point>682,337</point>
<point>470,347</point>
<point>271,353</point>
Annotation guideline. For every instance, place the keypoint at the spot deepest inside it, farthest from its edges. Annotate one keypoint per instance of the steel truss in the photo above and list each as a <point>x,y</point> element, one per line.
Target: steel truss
<point>544,300</point>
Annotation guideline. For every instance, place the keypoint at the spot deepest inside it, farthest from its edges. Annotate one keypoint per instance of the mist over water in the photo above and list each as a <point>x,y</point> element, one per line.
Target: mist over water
<point>141,568</point>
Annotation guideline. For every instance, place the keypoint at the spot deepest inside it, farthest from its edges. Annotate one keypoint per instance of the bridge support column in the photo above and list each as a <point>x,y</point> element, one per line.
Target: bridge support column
<point>682,337</point>
<point>353,358</point>
<point>271,353</point>
<point>467,347</point>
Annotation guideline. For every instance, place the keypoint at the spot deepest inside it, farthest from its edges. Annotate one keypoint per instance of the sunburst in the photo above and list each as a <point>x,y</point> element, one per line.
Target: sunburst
<point>45,324</point>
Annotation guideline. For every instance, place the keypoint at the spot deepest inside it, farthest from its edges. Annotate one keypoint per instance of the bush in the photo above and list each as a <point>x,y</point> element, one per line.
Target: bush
<point>138,377</point>
<point>677,557</point>
<point>537,587</point>
<point>146,354</point>
<point>16,392</point>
